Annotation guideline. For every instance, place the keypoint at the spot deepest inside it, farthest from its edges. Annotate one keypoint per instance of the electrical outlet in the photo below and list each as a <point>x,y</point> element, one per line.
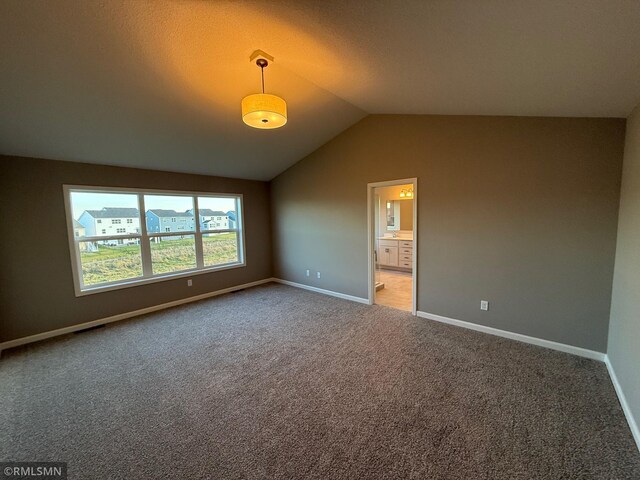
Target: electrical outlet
<point>308,273</point>
<point>189,282</point>
<point>484,305</point>
<point>318,275</point>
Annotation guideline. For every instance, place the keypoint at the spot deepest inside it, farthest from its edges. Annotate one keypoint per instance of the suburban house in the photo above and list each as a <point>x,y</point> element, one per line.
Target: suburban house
<point>213,219</point>
<point>78,229</point>
<point>233,219</point>
<point>110,221</point>
<point>78,232</point>
<point>169,221</point>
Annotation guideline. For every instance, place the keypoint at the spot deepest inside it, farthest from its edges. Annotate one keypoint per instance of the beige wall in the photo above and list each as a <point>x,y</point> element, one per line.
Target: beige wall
<point>519,211</point>
<point>624,331</point>
<point>406,215</point>
<point>36,285</point>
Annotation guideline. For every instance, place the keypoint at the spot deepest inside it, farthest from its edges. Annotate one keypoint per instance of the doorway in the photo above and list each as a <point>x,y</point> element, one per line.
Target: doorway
<point>392,235</point>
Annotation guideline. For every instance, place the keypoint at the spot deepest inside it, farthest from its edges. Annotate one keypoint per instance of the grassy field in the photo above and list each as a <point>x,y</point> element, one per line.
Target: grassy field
<point>109,264</point>
<point>218,249</point>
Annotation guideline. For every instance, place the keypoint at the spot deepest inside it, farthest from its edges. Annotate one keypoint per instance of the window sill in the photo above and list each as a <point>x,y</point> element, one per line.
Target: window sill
<point>159,278</point>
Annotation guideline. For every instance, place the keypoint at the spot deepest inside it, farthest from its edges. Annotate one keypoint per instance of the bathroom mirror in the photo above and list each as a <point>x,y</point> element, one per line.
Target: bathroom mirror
<point>399,214</point>
<point>391,216</point>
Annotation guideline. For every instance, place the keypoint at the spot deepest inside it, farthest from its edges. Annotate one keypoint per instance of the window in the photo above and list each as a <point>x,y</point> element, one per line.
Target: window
<point>220,242</point>
<point>158,251</point>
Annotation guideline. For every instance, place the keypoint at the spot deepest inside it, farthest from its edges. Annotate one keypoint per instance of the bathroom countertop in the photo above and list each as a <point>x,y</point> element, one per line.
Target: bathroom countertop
<point>406,239</point>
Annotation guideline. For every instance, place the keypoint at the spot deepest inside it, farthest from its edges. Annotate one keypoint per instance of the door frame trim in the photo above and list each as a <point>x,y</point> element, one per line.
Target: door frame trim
<point>371,238</point>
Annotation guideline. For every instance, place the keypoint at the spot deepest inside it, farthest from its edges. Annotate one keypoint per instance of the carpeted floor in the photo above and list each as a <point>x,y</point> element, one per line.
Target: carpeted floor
<point>277,382</point>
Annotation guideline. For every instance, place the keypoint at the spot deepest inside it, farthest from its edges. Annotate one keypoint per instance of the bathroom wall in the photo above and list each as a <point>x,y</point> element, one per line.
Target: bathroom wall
<point>403,209</point>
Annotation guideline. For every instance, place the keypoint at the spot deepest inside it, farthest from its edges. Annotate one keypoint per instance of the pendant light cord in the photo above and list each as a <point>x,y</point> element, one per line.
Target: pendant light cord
<point>262,72</point>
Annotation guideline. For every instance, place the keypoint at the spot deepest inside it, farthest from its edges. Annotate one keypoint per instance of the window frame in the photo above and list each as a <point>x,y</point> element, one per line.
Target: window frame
<point>145,238</point>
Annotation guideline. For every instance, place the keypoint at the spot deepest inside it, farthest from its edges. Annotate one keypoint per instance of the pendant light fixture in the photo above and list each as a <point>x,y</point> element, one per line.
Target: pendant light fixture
<point>263,110</point>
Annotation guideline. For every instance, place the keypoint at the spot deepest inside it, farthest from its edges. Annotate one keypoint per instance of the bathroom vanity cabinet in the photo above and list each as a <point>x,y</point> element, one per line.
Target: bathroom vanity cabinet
<point>395,253</point>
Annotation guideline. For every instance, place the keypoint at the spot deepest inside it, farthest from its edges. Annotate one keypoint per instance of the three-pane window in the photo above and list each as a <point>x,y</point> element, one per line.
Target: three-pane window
<point>149,245</point>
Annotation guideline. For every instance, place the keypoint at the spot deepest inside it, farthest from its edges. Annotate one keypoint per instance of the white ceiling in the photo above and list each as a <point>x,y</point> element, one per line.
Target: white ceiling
<point>158,84</point>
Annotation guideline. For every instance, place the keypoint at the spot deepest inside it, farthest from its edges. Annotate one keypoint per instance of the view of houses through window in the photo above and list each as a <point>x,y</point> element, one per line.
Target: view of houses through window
<point>112,243</point>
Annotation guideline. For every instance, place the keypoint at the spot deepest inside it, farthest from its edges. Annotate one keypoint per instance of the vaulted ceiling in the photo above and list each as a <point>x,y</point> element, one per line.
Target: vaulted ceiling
<point>158,84</point>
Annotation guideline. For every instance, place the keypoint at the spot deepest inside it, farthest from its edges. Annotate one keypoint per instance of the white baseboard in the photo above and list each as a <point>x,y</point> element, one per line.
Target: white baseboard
<point>122,316</point>
<point>562,347</point>
<point>633,425</point>
<point>322,290</point>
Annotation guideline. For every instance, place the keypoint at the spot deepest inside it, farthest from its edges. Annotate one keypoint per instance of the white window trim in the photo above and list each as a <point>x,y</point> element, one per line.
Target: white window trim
<point>148,276</point>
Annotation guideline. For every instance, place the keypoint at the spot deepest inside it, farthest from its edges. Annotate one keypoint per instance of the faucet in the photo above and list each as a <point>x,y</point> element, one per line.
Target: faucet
<point>394,235</point>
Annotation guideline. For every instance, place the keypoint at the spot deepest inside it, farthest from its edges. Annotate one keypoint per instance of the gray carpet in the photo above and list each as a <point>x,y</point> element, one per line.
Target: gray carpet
<point>277,382</point>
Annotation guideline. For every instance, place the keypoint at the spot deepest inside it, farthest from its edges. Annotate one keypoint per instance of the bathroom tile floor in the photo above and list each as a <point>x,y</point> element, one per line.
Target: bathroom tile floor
<point>397,290</point>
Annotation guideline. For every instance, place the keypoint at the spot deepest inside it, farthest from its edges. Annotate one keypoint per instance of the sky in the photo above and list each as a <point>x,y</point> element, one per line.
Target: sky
<point>81,201</point>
